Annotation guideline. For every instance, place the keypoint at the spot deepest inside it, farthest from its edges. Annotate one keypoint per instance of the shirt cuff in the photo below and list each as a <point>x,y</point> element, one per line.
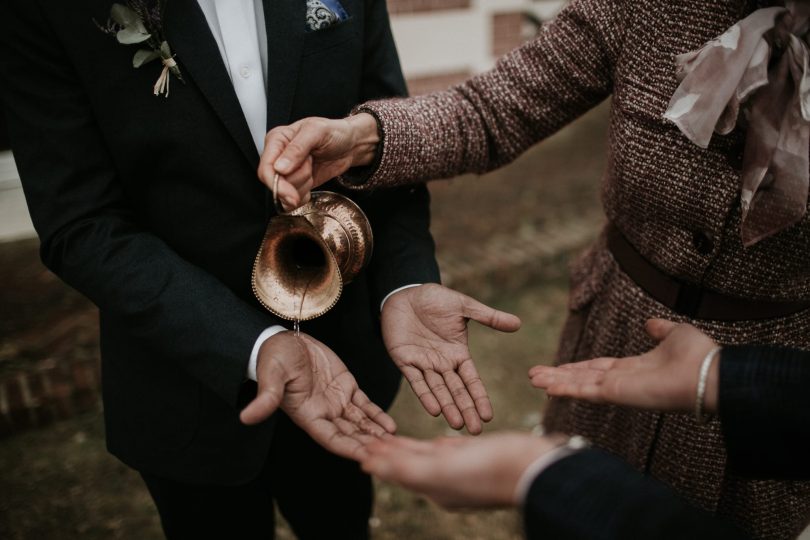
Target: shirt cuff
<point>395,291</point>
<point>254,354</point>
<point>536,469</point>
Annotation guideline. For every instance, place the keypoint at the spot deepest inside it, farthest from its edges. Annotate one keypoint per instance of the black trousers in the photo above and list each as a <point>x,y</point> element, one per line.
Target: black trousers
<point>321,495</point>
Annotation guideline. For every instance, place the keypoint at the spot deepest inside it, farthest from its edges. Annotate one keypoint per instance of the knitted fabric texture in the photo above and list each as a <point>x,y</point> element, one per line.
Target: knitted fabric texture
<point>659,189</point>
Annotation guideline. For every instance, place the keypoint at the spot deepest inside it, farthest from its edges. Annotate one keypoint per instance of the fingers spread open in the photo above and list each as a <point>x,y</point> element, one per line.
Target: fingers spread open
<point>356,416</point>
<point>374,412</point>
<point>499,320</point>
<point>464,402</point>
<point>340,437</point>
<point>469,375</point>
<point>420,387</point>
<point>442,393</point>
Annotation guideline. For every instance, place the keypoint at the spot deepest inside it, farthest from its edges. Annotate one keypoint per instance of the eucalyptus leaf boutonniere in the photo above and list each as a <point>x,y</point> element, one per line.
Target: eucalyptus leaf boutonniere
<point>140,22</point>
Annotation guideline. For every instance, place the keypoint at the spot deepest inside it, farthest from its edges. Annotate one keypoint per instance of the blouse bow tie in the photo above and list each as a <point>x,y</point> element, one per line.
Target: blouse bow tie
<point>762,62</point>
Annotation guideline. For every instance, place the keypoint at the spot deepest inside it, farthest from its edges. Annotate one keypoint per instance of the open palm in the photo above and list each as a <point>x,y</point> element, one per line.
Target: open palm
<point>316,390</point>
<point>664,378</point>
<point>425,332</point>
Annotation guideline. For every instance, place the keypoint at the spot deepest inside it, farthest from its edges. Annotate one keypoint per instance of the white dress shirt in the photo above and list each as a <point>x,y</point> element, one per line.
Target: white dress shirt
<point>239,30</point>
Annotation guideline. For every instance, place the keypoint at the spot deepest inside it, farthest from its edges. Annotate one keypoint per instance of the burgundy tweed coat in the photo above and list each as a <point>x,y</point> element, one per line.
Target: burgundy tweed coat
<point>678,204</point>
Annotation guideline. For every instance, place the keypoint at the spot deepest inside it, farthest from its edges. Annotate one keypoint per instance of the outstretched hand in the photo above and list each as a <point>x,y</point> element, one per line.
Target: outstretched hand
<point>425,332</point>
<point>315,389</point>
<point>312,151</point>
<point>459,472</point>
<point>664,378</point>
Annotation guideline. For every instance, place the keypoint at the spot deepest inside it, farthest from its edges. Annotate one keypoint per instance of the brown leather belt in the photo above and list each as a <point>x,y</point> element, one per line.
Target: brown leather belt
<point>690,299</point>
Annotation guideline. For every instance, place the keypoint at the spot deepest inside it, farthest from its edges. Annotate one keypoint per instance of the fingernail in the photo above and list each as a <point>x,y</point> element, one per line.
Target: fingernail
<point>282,164</point>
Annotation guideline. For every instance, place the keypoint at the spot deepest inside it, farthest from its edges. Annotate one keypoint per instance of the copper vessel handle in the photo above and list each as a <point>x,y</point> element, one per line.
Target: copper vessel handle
<point>279,207</point>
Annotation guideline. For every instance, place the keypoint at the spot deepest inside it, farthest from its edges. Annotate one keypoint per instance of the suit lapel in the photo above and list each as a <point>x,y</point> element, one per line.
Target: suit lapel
<point>201,62</point>
<point>285,21</point>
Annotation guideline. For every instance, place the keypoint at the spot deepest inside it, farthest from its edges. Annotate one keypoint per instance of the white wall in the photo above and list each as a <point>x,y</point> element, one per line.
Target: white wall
<point>435,42</point>
<point>14,221</point>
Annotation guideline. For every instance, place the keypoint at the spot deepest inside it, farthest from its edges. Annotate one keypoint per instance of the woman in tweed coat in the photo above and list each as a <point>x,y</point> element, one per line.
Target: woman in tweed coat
<point>673,203</point>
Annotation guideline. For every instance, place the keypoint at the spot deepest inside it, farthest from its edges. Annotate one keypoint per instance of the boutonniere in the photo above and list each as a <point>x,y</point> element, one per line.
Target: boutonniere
<point>140,22</point>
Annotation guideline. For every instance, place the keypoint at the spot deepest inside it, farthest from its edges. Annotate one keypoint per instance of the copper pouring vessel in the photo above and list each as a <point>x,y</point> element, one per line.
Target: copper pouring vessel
<point>309,254</point>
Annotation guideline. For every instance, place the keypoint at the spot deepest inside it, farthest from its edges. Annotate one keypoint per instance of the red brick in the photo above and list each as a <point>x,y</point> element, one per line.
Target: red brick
<point>41,401</point>
<point>19,413</point>
<point>83,374</point>
<point>417,6</point>
<point>61,390</point>
<point>84,384</point>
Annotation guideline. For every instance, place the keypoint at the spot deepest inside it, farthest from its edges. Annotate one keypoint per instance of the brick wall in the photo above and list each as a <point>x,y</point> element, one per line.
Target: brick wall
<point>47,391</point>
<point>416,6</point>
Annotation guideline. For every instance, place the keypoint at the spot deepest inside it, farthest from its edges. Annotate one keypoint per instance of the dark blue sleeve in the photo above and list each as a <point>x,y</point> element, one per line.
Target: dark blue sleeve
<point>595,496</point>
<point>764,407</point>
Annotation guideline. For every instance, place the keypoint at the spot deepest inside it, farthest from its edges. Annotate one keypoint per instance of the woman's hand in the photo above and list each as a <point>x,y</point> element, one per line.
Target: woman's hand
<point>664,378</point>
<point>459,472</point>
<point>312,151</point>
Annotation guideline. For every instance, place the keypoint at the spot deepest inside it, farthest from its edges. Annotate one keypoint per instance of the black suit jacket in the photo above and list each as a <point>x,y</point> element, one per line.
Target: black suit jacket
<point>593,495</point>
<point>764,409</point>
<point>152,208</point>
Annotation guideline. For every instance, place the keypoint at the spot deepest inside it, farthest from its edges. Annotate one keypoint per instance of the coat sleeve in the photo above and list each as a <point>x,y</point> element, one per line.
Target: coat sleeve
<point>593,495</point>
<point>89,235</point>
<point>489,120</point>
<point>764,407</point>
<point>404,249</point>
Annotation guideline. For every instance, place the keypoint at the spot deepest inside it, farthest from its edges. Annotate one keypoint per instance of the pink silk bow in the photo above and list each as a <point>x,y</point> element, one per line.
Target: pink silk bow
<point>763,62</point>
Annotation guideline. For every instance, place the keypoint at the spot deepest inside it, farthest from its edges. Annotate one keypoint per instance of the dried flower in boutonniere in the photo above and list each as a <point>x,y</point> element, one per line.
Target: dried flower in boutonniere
<point>140,22</point>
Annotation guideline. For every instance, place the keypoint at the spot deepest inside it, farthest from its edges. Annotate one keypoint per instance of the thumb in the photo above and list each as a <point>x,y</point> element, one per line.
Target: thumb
<point>499,320</point>
<point>659,329</point>
<point>266,401</point>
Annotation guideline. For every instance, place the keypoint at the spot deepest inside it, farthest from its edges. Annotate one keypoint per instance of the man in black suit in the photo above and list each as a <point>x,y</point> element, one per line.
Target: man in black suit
<point>151,207</point>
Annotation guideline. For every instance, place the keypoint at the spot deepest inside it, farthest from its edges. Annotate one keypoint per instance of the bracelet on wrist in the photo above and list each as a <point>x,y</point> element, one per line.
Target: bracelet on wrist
<point>700,396</point>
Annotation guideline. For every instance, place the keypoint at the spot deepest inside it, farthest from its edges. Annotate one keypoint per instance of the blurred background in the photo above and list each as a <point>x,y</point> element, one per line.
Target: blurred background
<point>505,238</point>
